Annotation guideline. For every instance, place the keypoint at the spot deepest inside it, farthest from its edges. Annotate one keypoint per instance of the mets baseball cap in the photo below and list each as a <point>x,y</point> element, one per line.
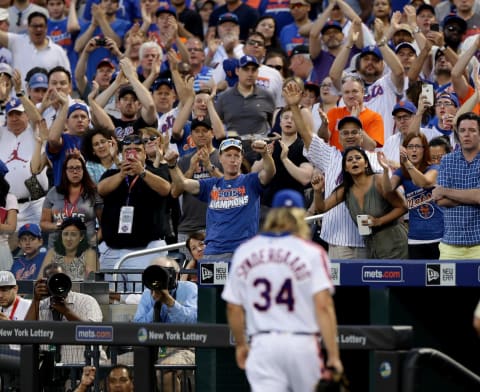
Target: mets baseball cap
<point>14,104</point>
<point>126,90</point>
<point>452,97</point>
<point>38,80</point>
<point>299,49</point>
<point>247,60</point>
<point>288,198</point>
<point>231,143</point>
<point>371,49</point>
<point>166,9</point>
<point>77,106</point>
<point>227,17</point>
<point>402,45</point>
<point>106,61</point>
<point>425,6</point>
<point>349,119</point>
<point>162,81</point>
<point>405,106</point>
<point>7,279</point>
<point>30,228</point>
<point>331,24</point>
<point>200,123</point>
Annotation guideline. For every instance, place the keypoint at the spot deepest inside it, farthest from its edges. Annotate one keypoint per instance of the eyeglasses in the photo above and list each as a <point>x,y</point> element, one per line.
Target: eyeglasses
<point>329,85</point>
<point>19,20</point>
<point>253,42</point>
<point>277,67</point>
<point>414,147</point>
<point>453,28</point>
<point>73,169</point>
<point>231,143</point>
<point>444,104</point>
<point>149,139</point>
<point>296,5</point>
<point>403,118</point>
<point>352,132</point>
<point>195,50</point>
<point>132,140</point>
<point>38,26</point>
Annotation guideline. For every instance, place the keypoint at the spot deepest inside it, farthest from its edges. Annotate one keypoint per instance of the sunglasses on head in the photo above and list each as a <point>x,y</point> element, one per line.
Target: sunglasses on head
<point>149,139</point>
<point>132,140</point>
<point>277,67</point>
<point>229,143</point>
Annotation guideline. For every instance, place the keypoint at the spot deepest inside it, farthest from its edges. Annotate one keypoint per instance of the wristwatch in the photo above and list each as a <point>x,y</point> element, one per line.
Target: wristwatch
<point>416,30</point>
<point>172,166</point>
<point>143,174</point>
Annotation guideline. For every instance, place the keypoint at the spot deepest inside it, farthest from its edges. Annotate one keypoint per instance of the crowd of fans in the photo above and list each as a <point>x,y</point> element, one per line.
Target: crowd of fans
<point>99,100</point>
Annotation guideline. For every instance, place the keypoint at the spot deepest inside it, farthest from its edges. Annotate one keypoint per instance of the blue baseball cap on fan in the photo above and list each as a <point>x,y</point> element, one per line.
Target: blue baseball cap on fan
<point>288,198</point>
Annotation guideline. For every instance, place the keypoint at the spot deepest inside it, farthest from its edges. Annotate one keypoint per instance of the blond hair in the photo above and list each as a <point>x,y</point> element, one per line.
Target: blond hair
<point>284,219</point>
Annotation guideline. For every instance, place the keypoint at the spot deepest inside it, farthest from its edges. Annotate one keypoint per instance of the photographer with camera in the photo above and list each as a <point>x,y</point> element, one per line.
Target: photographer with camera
<point>53,300</point>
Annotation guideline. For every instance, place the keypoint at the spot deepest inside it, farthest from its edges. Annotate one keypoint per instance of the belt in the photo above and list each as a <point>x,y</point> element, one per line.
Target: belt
<point>24,200</point>
<point>286,333</point>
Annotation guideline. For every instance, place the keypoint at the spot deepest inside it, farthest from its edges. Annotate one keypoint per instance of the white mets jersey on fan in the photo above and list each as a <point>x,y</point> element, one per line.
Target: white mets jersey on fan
<point>274,278</point>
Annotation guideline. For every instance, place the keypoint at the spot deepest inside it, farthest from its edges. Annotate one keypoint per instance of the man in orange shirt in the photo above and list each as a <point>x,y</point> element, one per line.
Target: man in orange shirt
<point>353,92</point>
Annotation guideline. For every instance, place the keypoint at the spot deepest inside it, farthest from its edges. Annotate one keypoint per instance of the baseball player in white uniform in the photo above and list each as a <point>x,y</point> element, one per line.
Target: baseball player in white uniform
<point>279,290</point>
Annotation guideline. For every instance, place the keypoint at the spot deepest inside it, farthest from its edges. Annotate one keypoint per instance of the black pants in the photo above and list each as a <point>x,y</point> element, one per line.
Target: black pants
<point>424,251</point>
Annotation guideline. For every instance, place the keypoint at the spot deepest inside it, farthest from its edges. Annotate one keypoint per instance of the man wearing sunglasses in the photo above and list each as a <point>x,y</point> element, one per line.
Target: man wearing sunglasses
<point>135,206</point>
<point>233,201</point>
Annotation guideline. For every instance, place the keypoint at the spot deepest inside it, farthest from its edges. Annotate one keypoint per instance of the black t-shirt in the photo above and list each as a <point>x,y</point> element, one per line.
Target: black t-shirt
<point>126,128</point>
<point>149,216</point>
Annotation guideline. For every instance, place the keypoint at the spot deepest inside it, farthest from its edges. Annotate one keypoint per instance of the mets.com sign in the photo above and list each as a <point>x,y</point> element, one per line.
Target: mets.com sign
<point>378,273</point>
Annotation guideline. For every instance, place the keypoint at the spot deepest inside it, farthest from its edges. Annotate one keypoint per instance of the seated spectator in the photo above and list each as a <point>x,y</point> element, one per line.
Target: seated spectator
<point>13,307</point>
<point>439,147</point>
<point>75,196</point>
<point>119,379</point>
<point>72,252</point>
<point>27,266</point>
<point>195,246</point>
<point>8,218</point>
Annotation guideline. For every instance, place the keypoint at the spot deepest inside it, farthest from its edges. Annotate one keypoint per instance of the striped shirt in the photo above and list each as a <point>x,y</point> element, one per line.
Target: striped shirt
<point>338,227</point>
<point>462,223</point>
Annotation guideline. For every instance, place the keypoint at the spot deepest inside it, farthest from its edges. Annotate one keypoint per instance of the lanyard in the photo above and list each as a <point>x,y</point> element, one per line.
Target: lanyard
<point>66,203</point>
<point>15,304</point>
<point>130,186</point>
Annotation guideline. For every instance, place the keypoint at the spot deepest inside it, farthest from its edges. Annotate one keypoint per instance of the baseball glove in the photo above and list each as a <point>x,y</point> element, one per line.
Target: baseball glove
<point>338,383</point>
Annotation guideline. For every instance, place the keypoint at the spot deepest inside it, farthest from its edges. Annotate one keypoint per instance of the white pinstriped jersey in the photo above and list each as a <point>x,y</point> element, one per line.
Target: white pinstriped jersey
<point>274,278</point>
<point>338,227</point>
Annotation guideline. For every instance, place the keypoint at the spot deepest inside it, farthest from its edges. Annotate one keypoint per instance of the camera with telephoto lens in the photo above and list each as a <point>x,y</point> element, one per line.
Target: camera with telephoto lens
<point>160,278</point>
<point>59,285</point>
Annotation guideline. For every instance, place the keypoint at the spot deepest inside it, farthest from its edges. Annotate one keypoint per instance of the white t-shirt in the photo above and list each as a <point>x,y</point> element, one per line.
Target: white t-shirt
<point>274,278</point>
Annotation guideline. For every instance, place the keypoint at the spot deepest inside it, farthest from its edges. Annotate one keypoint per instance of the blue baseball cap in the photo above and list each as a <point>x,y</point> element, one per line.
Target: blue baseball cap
<point>452,97</point>
<point>371,49</point>
<point>229,66</point>
<point>454,18</point>
<point>30,228</point>
<point>77,106</point>
<point>231,143</point>
<point>288,198</point>
<point>14,104</point>
<point>405,106</point>
<point>166,9</point>
<point>38,80</point>
<point>3,168</point>
<point>247,60</point>
<point>331,24</point>
<point>227,17</point>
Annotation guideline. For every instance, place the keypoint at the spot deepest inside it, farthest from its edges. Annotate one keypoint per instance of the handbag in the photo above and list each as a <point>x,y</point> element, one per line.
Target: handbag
<point>34,188</point>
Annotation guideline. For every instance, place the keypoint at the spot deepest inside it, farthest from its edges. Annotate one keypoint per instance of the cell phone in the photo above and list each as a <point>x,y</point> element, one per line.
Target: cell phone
<point>427,90</point>
<point>131,155</point>
<point>101,41</point>
<point>434,27</point>
<point>363,228</point>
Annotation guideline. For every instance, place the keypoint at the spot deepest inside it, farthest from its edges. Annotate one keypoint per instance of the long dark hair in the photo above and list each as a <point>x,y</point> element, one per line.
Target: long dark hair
<point>82,246</point>
<point>87,146</point>
<point>347,177</point>
<point>426,153</point>
<point>88,186</point>
<point>274,42</point>
<point>4,189</point>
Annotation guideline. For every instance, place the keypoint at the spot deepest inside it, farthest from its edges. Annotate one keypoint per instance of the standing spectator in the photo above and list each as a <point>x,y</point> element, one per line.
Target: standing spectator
<point>457,190</point>
<point>47,54</point>
<point>418,177</point>
<point>231,198</point>
<point>247,16</point>
<point>13,307</point>
<point>150,56</point>
<point>439,146</point>
<point>364,194</point>
<point>37,84</point>
<point>8,218</point>
<point>27,266</point>
<point>205,9</point>
<point>191,20</point>
<point>303,307</point>
<point>75,196</point>
<point>19,13</point>
<point>267,26</point>
<point>72,252</point>
<point>290,35</point>
<point>119,379</point>
<point>18,143</point>
<point>5,54</point>
<point>198,69</point>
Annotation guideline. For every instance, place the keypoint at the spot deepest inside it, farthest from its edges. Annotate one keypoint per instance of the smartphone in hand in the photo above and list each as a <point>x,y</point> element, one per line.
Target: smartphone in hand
<point>427,90</point>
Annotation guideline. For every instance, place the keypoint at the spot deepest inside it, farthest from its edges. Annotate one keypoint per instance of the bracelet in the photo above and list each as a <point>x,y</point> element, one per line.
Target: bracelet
<point>416,30</point>
<point>382,42</point>
<point>20,94</point>
<point>172,166</point>
<point>410,167</point>
<point>442,48</point>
